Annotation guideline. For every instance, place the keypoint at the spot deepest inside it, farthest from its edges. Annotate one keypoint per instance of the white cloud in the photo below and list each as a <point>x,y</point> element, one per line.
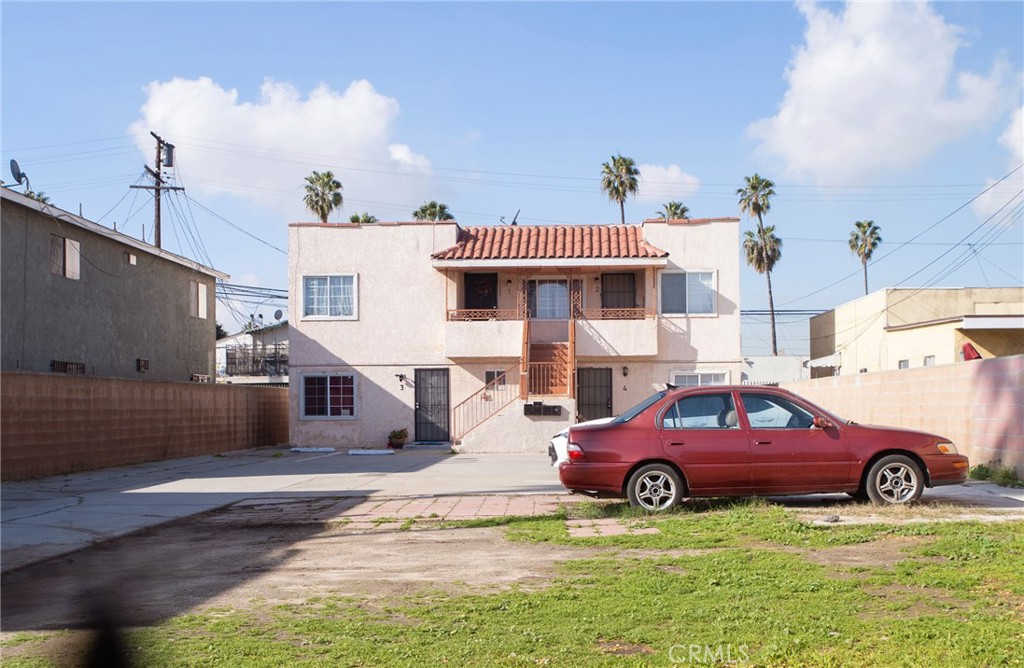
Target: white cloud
<point>1004,196</point>
<point>870,89</point>
<point>263,150</point>
<point>660,183</point>
<point>1013,137</point>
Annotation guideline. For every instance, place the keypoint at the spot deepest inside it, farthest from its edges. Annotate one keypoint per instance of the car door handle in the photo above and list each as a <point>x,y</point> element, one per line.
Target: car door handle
<point>676,443</point>
<point>762,442</point>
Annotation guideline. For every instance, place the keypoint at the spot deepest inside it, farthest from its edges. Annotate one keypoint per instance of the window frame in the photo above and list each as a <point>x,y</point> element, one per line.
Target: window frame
<point>700,395</point>
<point>496,374</point>
<point>355,297</point>
<point>706,372</point>
<point>327,375</point>
<point>198,296</point>
<point>70,259</point>
<point>688,313</point>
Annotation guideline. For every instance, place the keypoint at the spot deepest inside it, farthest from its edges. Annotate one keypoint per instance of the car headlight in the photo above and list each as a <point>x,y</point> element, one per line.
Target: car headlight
<point>947,448</point>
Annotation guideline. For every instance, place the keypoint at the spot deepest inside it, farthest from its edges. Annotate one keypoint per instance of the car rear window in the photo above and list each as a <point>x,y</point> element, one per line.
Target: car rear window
<point>639,408</point>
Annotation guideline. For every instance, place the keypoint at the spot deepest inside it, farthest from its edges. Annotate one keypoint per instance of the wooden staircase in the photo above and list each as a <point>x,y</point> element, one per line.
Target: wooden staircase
<point>549,369</point>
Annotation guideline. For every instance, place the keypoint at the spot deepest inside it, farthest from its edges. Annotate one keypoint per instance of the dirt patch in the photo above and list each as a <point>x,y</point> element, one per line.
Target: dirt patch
<point>919,600</point>
<point>623,648</point>
<point>191,566</point>
<point>885,552</point>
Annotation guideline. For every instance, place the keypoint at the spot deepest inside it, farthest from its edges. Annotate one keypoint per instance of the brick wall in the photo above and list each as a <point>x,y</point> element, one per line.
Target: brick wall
<point>52,424</point>
<point>979,405</point>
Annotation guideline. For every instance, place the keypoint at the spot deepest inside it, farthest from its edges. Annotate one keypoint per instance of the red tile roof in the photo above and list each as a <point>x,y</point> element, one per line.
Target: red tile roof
<point>520,242</point>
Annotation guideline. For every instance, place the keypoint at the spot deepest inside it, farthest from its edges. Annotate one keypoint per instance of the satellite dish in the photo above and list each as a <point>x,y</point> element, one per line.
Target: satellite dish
<point>277,314</point>
<point>19,175</point>
<point>515,217</point>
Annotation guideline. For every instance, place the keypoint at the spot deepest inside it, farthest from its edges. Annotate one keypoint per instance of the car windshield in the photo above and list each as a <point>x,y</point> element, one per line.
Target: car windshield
<point>639,408</point>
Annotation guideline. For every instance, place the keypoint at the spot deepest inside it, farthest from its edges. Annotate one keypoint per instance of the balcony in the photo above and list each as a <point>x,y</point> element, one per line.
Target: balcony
<point>483,333</point>
<point>617,333</point>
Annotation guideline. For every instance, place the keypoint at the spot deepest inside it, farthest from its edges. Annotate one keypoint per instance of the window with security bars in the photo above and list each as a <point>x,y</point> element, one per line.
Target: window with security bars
<point>330,396</point>
<point>618,291</point>
<point>329,297</point>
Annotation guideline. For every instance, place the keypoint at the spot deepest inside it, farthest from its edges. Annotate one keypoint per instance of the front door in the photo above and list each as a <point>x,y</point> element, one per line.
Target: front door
<point>593,393</point>
<point>481,291</point>
<point>432,404</point>
<point>787,452</point>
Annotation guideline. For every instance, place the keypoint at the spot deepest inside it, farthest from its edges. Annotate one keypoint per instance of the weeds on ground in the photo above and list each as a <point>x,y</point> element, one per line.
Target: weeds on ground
<point>1004,476</point>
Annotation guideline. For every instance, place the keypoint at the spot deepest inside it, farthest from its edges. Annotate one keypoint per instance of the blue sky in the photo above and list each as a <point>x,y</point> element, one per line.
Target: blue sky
<point>900,113</point>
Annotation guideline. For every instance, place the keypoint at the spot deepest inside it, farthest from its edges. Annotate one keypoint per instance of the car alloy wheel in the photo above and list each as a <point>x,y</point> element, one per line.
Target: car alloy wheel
<point>895,480</point>
<point>655,487</point>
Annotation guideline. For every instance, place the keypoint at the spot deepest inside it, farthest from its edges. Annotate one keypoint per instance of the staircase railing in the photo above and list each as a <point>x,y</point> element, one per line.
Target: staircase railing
<point>570,362</point>
<point>524,362</point>
<point>484,403</point>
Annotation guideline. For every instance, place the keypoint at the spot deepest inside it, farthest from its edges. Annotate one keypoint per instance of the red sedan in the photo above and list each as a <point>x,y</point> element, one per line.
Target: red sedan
<point>744,441</point>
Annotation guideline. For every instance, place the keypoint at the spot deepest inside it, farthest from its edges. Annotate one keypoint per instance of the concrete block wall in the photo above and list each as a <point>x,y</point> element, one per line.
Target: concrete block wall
<point>53,423</point>
<point>979,404</point>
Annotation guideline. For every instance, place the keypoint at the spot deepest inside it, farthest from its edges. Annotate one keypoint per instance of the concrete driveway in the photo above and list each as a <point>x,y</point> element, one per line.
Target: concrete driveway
<point>53,516</point>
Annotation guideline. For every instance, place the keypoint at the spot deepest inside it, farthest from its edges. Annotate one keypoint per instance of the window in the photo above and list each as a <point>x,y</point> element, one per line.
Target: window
<point>766,411</point>
<point>65,257</point>
<point>329,297</point>
<point>688,293</point>
<point>699,379</point>
<point>329,396</point>
<point>903,364</point>
<point>129,258</point>
<point>704,411</point>
<point>548,299</point>
<point>197,299</point>
<point>929,360</point>
<point>491,376</point>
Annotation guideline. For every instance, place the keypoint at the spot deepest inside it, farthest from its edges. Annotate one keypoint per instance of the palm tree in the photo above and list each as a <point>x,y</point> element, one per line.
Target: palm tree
<point>674,211</point>
<point>864,239</point>
<point>619,178</point>
<point>756,200</point>
<point>363,219</point>
<point>433,211</point>
<point>323,194</point>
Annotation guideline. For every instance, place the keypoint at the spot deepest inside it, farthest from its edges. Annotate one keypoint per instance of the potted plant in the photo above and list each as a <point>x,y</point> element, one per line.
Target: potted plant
<point>397,438</point>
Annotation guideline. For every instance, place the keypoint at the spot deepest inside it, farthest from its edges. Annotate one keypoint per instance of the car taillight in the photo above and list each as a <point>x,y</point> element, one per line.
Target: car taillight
<point>575,453</point>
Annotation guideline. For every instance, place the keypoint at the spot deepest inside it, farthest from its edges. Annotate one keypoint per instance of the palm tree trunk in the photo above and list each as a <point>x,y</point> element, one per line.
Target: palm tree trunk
<point>771,312</point>
<point>864,261</point>
<point>622,210</point>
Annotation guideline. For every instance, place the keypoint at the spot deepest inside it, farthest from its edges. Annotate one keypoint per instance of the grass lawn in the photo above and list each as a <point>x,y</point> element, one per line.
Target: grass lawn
<point>719,583</point>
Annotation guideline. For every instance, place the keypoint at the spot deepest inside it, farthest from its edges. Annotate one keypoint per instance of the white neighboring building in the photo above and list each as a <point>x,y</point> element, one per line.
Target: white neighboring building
<point>495,338</point>
<point>256,357</point>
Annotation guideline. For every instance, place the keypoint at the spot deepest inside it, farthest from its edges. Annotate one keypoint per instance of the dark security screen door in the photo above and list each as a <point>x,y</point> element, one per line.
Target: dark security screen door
<point>618,291</point>
<point>594,393</point>
<point>481,291</point>
<point>431,404</point>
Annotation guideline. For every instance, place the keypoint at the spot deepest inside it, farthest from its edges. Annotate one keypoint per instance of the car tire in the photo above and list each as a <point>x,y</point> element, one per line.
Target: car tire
<point>894,480</point>
<point>654,487</point>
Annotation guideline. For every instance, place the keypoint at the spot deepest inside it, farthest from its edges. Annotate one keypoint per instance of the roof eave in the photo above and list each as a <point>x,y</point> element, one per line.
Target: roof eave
<point>552,262</point>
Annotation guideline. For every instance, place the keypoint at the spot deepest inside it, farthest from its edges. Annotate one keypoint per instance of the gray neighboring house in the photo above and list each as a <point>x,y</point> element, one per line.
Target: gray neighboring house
<point>81,298</point>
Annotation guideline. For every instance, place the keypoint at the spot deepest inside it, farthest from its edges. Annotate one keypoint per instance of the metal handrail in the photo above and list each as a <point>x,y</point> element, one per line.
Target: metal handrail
<point>484,404</point>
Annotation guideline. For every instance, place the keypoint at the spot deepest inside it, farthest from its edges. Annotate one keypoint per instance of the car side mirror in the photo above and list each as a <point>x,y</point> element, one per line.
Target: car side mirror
<point>822,423</point>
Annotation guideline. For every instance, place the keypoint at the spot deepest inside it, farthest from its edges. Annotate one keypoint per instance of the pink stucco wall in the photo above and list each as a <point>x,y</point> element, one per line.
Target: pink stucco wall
<point>979,405</point>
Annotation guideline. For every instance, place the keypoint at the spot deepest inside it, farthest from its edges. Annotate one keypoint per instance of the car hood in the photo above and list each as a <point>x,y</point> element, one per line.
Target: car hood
<point>881,429</point>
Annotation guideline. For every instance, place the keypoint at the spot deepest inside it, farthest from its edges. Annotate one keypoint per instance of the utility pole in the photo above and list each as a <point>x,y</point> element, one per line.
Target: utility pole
<point>164,154</point>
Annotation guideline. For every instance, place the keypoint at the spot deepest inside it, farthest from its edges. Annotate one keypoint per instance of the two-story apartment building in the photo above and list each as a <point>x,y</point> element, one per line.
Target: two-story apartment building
<point>81,298</point>
<point>497,337</point>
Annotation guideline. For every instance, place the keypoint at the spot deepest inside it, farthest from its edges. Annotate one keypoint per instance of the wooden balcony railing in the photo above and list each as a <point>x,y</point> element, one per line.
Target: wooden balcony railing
<point>548,378</point>
<point>467,314</point>
<point>483,314</point>
<point>618,313</point>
